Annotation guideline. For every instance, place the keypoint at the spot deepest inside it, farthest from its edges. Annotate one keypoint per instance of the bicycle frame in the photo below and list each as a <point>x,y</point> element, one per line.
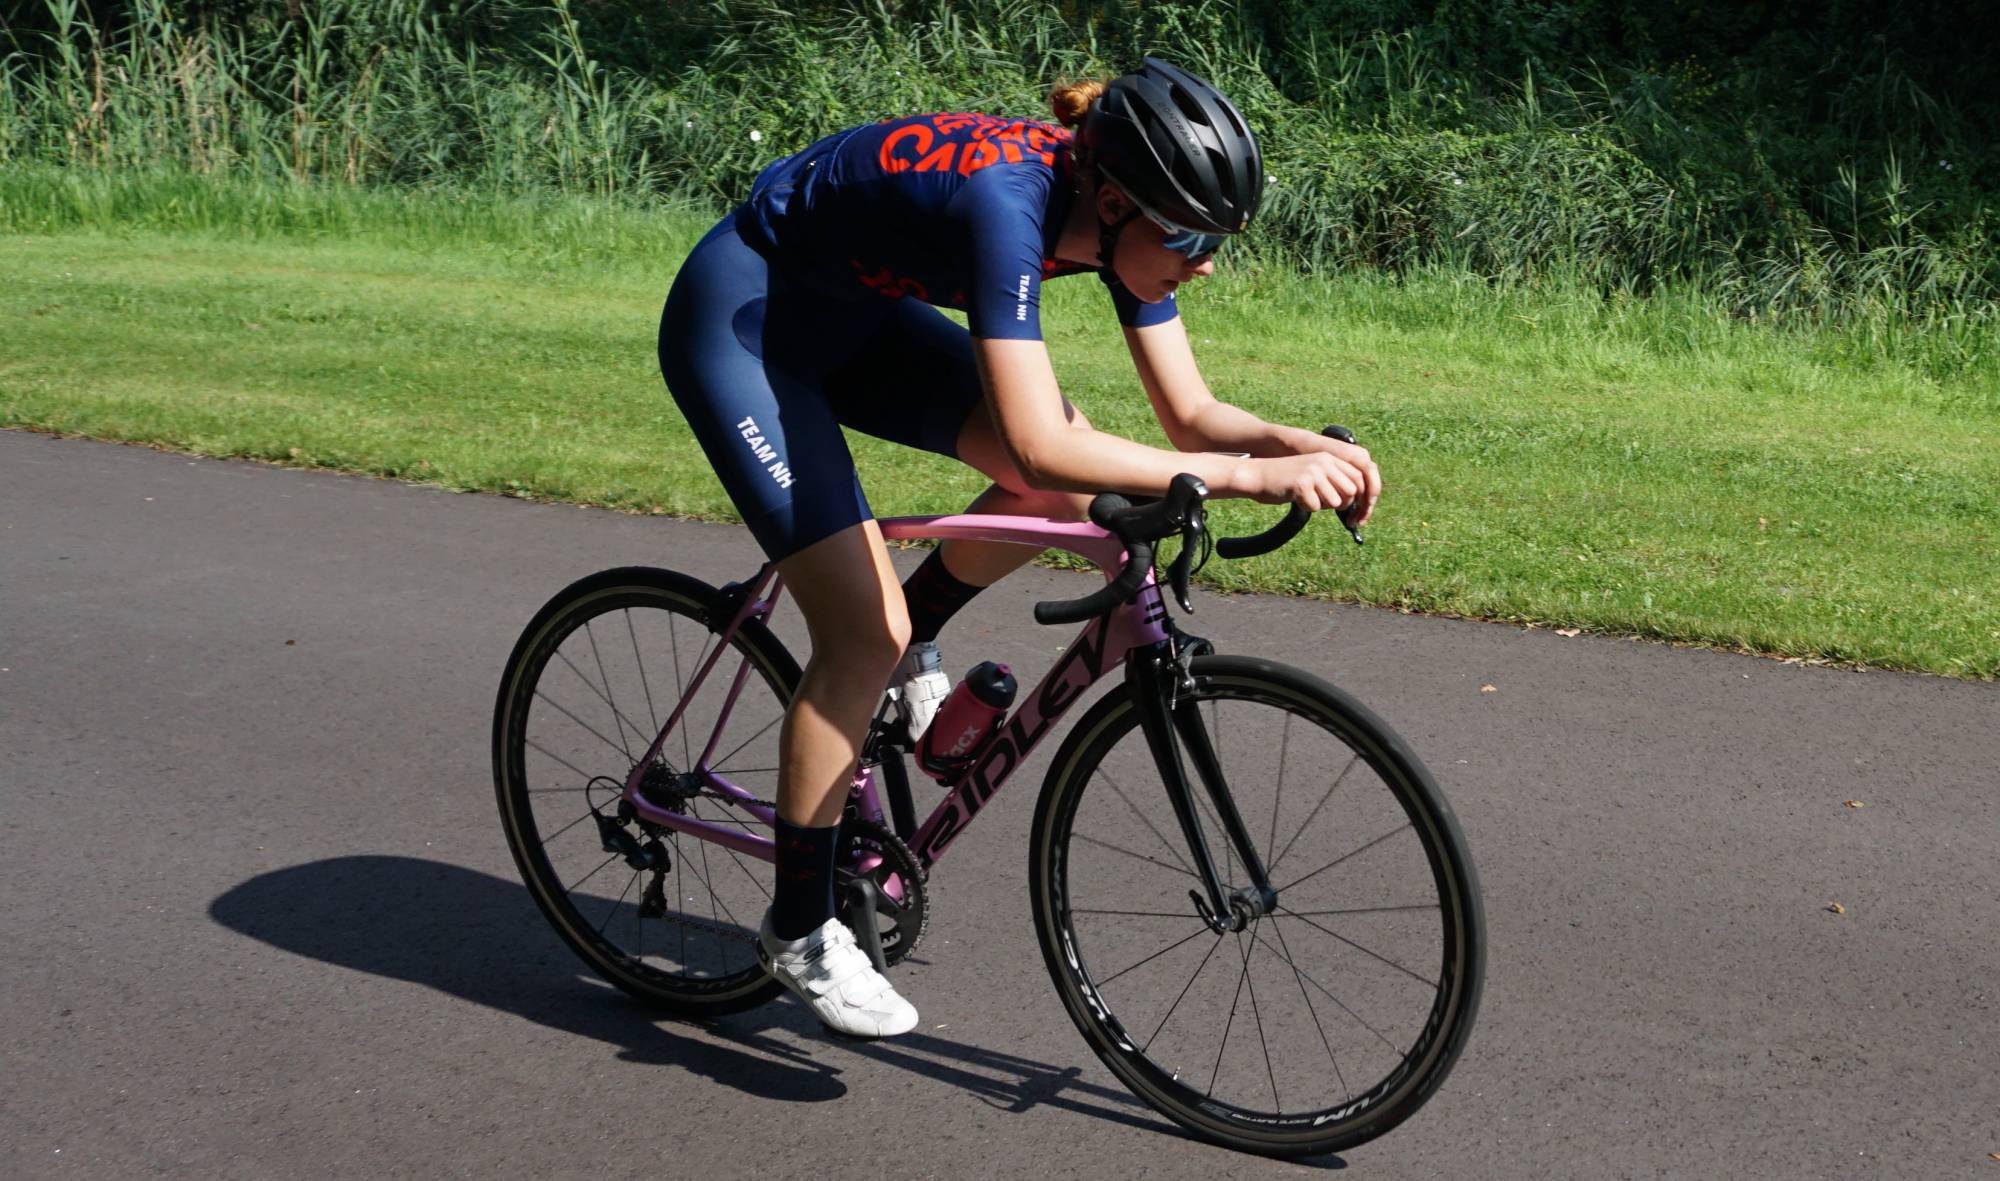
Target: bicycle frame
<point>1137,627</point>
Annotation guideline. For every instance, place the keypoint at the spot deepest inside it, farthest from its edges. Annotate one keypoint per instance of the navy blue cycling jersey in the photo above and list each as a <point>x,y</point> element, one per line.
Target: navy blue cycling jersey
<point>957,210</point>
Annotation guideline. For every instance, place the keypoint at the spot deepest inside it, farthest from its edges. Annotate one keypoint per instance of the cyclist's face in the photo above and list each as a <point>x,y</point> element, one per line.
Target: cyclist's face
<point>1145,265</point>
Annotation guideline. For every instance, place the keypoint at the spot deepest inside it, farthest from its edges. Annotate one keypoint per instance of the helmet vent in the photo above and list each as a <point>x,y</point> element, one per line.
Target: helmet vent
<point>1190,106</point>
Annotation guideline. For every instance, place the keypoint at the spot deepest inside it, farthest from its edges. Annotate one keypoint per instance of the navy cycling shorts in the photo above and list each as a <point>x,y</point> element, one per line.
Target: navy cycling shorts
<point>767,373</point>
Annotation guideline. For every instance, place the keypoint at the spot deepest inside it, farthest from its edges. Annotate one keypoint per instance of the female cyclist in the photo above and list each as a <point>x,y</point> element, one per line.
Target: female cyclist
<point>811,306</point>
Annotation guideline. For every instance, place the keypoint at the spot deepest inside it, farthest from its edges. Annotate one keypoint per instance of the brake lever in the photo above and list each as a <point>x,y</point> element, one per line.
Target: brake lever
<point>1349,521</point>
<point>1350,517</point>
<point>1183,565</point>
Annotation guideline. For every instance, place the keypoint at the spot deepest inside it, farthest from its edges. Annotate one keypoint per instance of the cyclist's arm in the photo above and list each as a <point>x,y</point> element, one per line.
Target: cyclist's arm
<point>1193,418</point>
<point>1050,453</point>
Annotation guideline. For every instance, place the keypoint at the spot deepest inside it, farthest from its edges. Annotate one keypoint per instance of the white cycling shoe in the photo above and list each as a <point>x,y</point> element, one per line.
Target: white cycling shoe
<point>833,976</point>
<point>921,687</point>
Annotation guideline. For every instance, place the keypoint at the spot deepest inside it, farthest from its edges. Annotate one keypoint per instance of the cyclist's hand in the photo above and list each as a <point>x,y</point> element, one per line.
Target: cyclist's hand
<point>1316,479</point>
<point>1357,457</point>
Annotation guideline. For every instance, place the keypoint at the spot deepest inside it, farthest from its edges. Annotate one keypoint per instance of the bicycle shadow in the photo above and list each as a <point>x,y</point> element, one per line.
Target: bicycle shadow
<point>479,938</point>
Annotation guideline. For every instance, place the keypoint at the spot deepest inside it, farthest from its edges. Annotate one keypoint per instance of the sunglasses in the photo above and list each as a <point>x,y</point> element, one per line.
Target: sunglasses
<point>1188,243</point>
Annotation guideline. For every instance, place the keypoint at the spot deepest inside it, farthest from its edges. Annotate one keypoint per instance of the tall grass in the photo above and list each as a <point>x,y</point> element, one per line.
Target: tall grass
<point>1382,159</point>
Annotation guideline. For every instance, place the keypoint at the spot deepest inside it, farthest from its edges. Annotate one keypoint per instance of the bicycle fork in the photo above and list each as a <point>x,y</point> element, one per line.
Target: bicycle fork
<point>1171,722</point>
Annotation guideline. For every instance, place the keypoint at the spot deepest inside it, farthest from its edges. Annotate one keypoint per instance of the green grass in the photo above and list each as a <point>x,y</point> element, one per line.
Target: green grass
<point>1645,467</point>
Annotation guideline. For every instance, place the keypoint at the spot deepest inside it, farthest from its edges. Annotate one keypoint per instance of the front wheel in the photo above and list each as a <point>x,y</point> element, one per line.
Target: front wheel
<point>1319,1025</point>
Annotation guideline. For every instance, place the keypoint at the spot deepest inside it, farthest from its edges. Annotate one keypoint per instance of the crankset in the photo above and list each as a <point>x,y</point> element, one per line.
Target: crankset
<point>886,905</point>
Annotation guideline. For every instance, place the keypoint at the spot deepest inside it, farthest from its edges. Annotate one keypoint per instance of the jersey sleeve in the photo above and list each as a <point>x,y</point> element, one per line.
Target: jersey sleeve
<point>1001,211</point>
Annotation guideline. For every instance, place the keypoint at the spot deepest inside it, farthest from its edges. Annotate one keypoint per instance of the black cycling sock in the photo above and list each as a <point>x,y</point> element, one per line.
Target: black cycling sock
<point>934,596</point>
<point>804,898</point>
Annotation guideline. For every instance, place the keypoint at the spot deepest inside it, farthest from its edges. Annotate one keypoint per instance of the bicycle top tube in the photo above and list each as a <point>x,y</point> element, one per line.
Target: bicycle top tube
<point>1078,537</point>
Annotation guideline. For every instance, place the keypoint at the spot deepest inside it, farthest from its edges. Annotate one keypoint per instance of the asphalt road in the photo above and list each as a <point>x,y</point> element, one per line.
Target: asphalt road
<point>259,918</point>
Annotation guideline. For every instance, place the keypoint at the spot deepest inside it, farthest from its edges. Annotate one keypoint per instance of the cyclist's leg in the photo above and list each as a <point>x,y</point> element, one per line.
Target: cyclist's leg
<point>772,439</point>
<point>853,607</point>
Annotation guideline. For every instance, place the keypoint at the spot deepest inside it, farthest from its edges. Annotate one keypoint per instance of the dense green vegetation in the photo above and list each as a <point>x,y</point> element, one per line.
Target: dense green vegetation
<point>1831,163</point>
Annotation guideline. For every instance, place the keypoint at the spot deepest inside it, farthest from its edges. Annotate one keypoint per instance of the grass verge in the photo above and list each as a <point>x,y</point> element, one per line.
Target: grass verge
<point>1643,467</point>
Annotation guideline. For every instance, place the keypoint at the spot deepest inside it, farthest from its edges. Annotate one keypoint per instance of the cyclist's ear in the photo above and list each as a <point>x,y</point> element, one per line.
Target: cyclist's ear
<point>1112,203</point>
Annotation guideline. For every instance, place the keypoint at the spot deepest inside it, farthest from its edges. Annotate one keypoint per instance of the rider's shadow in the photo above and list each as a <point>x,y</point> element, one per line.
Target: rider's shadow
<point>480,938</point>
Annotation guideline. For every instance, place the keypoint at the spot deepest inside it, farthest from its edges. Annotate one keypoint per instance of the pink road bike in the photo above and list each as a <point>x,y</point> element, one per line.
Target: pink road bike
<point>1251,897</point>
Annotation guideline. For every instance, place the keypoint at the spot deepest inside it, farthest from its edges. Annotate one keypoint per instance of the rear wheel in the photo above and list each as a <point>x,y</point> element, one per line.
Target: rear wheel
<point>669,918</point>
<point>1319,1025</point>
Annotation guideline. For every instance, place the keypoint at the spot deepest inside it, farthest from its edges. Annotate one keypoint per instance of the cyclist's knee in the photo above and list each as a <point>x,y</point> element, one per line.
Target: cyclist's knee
<point>853,604</point>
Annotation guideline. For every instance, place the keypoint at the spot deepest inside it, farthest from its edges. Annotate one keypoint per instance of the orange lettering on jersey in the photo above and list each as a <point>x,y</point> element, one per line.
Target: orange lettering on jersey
<point>938,161</point>
<point>887,283</point>
<point>970,143</point>
<point>888,158</point>
<point>977,155</point>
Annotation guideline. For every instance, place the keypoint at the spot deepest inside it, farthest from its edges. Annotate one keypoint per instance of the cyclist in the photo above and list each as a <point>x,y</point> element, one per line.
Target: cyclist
<point>811,307</point>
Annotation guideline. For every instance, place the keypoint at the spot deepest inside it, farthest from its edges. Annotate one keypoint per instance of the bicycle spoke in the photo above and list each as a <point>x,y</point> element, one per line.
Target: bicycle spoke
<point>531,744</point>
<point>571,888</point>
<point>1314,814</point>
<point>1325,992</point>
<point>1284,746</point>
<point>1229,1024</point>
<point>590,634</point>
<point>586,725</point>
<point>754,878</point>
<point>1120,793</point>
<point>1129,853</point>
<point>1149,959</point>
<point>639,662</point>
<point>1356,946</point>
<point>713,899</point>
<point>1183,993</point>
<point>1369,909</point>
<point>680,895</point>
<point>722,762</point>
<point>680,687</point>
<point>1343,857</point>
<point>1347,1092</point>
<point>1144,914</point>
<point>609,914</point>
<point>565,828</point>
<point>1257,1015</point>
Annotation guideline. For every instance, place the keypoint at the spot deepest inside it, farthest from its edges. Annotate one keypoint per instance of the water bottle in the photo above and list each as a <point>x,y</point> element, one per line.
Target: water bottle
<point>966,722</point>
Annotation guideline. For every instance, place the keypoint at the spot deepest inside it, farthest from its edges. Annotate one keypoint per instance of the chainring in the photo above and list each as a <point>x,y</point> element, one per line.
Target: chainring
<point>903,930</point>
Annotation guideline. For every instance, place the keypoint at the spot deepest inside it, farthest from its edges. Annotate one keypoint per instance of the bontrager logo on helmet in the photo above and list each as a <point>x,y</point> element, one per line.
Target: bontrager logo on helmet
<point>1178,148</point>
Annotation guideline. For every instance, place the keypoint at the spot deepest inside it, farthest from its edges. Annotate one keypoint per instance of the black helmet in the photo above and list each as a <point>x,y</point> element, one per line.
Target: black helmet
<point>1178,148</point>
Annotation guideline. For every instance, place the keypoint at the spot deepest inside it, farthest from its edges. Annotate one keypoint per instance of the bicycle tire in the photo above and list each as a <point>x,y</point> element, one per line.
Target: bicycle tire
<point>1065,863</point>
<point>666,978</point>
